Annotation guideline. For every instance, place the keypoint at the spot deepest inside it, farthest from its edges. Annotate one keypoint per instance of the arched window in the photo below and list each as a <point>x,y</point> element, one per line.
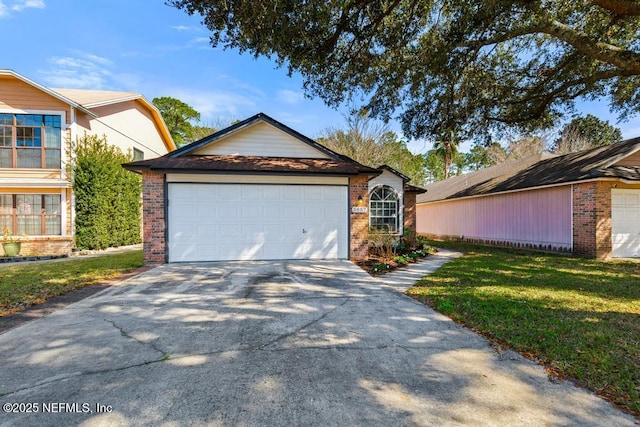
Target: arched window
<point>383,209</point>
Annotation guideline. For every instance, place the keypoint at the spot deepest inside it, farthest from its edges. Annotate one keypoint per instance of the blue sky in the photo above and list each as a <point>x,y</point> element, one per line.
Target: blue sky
<point>157,50</point>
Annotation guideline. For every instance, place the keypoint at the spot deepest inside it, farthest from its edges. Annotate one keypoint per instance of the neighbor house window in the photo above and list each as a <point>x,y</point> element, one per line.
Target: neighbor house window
<point>138,155</point>
<point>30,141</point>
<point>31,214</point>
<point>383,209</point>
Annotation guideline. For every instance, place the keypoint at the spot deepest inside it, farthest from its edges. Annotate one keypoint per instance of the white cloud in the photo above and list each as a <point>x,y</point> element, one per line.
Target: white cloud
<point>83,71</point>
<point>28,4</point>
<point>214,103</point>
<point>289,97</point>
<point>3,9</point>
<point>187,28</point>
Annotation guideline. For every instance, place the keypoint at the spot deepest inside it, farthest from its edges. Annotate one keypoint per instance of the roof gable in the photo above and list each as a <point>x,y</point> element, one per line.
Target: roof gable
<point>395,172</point>
<point>259,135</point>
<point>260,139</point>
<point>50,92</point>
<point>85,100</point>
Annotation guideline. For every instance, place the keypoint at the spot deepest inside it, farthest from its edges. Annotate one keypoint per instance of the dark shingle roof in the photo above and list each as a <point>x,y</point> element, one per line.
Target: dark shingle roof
<point>538,171</point>
<point>250,164</point>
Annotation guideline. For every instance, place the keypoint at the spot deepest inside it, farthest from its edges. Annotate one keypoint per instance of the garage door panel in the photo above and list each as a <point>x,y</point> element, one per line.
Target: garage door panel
<point>207,193</point>
<point>625,222</point>
<point>293,192</point>
<point>292,212</point>
<point>227,193</point>
<point>249,221</point>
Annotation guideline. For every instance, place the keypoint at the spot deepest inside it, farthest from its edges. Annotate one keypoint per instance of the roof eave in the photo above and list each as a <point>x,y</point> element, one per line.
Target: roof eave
<point>231,172</point>
<point>7,72</point>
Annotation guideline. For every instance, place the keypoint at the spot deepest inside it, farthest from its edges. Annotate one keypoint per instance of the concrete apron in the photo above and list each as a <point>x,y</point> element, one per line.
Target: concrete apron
<point>278,343</point>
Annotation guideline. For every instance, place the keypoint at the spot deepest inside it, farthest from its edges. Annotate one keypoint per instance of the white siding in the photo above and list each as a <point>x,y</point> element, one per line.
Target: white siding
<point>258,179</point>
<point>261,139</point>
<point>127,126</point>
<point>387,178</point>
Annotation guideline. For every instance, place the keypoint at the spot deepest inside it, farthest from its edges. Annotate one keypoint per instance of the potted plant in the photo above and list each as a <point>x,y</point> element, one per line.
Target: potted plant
<point>10,246</point>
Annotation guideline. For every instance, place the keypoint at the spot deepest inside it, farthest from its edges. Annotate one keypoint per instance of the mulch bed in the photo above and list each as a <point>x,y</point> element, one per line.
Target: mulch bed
<point>378,267</point>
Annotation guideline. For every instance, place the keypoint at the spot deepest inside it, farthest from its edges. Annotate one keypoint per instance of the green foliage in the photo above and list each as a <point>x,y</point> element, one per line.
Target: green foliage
<point>199,132</point>
<point>372,144</point>
<point>25,284</point>
<point>469,66</point>
<point>382,245</point>
<point>579,316</point>
<point>178,116</point>
<point>586,132</point>
<point>478,158</point>
<point>107,196</point>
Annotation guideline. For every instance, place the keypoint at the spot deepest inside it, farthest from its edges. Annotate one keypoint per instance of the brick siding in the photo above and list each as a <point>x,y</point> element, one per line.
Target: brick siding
<point>592,219</point>
<point>153,218</point>
<point>359,233</point>
<point>42,246</point>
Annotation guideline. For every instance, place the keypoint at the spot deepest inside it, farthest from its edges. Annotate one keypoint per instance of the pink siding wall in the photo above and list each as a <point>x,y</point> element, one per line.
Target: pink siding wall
<point>538,218</point>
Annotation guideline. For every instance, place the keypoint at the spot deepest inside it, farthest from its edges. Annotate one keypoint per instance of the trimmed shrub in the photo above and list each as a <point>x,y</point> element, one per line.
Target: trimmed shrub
<point>107,197</point>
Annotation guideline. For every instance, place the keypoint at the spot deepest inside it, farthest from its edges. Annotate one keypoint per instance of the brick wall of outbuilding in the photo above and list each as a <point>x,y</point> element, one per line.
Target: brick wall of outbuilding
<point>592,219</point>
<point>359,222</point>
<point>153,218</point>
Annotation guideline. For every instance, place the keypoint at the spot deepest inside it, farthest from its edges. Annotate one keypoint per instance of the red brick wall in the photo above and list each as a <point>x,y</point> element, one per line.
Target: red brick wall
<point>603,220</point>
<point>359,233</point>
<point>410,216</point>
<point>153,220</point>
<point>592,219</point>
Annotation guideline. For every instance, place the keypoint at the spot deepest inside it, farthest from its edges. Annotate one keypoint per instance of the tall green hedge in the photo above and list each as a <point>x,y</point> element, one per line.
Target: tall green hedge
<point>107,197</point>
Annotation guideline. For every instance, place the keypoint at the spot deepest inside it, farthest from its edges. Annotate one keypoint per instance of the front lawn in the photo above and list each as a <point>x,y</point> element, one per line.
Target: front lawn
<point>22,285</point>
<point>579,317</point>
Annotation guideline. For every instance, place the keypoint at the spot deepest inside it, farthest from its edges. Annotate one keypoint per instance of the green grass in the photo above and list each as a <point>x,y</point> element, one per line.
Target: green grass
<point>22,285</point>
<point>579,317</point>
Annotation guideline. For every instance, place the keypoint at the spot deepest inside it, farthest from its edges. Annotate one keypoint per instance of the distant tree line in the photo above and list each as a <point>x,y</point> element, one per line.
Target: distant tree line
<point>373,144</point>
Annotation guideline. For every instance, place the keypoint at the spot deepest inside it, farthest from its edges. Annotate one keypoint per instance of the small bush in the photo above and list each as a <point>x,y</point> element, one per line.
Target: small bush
<point>382,245</point>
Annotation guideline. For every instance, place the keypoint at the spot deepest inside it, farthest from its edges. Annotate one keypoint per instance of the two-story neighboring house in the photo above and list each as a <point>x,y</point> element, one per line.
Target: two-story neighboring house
<point>37,124</point>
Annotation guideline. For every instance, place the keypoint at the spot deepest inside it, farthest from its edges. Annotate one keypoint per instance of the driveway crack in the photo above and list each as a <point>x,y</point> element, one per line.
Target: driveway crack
<point>125,334</point>
<point>306,325</point>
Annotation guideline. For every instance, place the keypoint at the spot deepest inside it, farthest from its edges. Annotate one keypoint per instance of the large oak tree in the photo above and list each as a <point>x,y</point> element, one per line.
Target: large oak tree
<point>464,66</point>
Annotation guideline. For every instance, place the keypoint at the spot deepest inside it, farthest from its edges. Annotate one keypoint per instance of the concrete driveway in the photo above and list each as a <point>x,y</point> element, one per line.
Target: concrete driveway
<point>284,343</point>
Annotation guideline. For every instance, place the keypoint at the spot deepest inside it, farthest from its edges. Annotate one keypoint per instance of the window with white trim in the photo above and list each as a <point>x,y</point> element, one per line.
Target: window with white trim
<point>30,141</point>
<point>31,214</point>
<point>383,209</point>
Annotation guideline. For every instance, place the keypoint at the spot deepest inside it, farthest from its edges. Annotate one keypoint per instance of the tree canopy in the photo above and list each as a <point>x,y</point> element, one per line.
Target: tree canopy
<point>374,145</point>
<point>178,116</point>
<point>586,132</point>
<point>470,66</point>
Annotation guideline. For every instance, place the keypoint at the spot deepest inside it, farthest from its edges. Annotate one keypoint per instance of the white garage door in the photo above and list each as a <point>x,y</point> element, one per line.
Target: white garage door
<point>217,222</point>
<point>625,223</point>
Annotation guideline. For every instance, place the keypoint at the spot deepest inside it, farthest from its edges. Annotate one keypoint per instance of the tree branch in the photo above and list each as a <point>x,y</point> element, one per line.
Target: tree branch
<point>622,8</point>
<point>625,60</point>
